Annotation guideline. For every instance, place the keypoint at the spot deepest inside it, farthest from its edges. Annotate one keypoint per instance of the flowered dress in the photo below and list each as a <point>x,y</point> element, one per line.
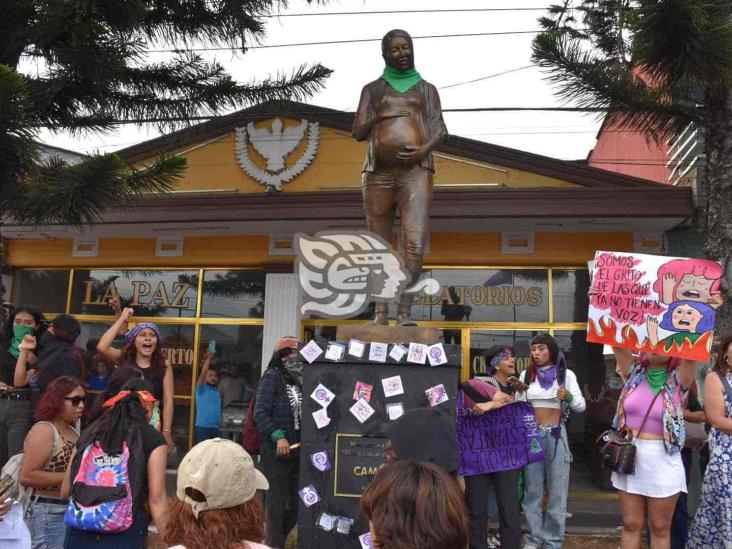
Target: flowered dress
<point>712,527</point>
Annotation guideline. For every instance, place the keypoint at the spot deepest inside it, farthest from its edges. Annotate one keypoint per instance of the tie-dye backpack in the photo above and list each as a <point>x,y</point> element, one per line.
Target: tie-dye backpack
<point>101,498</point>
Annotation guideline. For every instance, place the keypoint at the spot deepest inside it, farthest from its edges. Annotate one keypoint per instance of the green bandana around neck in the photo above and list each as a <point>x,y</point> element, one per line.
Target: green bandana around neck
<point>19,332</point>
<point>401,81</point>
<point>656,379</point>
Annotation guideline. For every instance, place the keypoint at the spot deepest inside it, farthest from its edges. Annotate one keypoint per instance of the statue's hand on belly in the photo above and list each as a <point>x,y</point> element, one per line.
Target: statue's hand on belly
<point>398,139</point>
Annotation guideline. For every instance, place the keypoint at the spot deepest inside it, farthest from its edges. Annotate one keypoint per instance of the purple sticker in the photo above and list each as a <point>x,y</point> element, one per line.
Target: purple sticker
<point>365,540</point>
<point>309,495</point>
<point>320,461</point>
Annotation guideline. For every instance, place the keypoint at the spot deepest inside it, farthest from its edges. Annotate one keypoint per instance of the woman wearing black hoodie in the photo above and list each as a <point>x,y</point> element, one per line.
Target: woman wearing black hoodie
<point>57,356</point>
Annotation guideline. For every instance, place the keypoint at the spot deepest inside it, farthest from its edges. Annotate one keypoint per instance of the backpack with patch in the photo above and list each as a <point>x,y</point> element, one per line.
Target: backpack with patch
<point>101,497</point>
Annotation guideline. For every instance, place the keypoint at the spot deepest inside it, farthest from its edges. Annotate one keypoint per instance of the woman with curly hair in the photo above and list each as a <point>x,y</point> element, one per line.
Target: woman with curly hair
<point>216,504</point>
<point>143,351</point>
<point>413,505</point>
<point>16,416</point>
<point>47,453</point>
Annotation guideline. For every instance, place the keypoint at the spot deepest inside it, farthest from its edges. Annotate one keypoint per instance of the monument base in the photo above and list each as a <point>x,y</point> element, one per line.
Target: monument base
<point>388,334</point>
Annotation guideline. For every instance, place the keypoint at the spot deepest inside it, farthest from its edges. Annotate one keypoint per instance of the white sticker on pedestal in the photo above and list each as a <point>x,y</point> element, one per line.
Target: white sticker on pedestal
<point>394,410</point>
<point>392,386</point>
<point>322,395</point>
<point>321,418</point>
<point>378,352</point>
<point>356,348</point>
<point>362,410</point>
<point>335,351</point>
<point>311,351</point>
<point>417,353</point>
<point>397,352</point>
<point>436,354</point>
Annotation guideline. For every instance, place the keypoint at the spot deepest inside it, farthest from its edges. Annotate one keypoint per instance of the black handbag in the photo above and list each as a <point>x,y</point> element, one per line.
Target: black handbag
<point>618,446</point>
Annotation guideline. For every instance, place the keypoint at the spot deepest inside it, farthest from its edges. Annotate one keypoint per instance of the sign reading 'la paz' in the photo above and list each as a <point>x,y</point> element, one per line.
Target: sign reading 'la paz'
<point>142,294</point>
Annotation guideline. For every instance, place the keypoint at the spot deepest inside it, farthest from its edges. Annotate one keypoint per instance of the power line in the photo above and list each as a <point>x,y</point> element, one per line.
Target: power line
<point>484,77</point>
<point>332,42</point>
<point>392,12</point>
<point>164,119</point>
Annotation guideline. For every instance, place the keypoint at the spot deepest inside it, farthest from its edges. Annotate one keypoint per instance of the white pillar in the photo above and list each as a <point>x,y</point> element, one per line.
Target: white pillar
<point>281,311</point>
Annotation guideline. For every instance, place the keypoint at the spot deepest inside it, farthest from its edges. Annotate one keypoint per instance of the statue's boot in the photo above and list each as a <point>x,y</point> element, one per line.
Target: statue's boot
<point>381,317</point>
<point>404,311</point>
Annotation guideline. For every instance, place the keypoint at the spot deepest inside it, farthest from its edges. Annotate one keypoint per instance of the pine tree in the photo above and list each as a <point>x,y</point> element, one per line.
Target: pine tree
<point>655,66</point>
<point>92,68</point>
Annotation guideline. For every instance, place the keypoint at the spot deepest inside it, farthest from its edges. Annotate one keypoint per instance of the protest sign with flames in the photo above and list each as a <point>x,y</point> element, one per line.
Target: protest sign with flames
<point>658,304</point>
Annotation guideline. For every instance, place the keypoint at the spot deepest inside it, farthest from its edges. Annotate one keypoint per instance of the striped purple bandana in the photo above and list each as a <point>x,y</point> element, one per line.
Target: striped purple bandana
<point>133,333</point>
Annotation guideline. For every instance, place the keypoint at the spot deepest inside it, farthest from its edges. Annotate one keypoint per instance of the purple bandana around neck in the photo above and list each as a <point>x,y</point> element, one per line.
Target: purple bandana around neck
<point>132,334</point>
<point>546,375</point>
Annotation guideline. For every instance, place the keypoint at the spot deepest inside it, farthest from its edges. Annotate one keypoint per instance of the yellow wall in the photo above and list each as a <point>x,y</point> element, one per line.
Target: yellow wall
<point>214,165</point>
<point>247,251</point>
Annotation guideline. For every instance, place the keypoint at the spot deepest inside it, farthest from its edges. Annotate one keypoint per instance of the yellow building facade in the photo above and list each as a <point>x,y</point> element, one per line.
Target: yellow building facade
<point>511,233</point>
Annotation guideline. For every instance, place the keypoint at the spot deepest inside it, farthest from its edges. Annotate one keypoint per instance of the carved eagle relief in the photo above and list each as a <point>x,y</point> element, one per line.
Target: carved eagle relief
<point>274,145</point>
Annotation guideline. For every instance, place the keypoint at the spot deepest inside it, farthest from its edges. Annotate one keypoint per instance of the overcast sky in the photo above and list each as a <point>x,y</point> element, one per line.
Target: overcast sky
<point>442,61</point>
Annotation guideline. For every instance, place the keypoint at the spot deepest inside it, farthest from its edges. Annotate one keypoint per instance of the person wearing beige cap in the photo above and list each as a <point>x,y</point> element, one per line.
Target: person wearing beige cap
<point>215,504</point>
<point>278,414</point>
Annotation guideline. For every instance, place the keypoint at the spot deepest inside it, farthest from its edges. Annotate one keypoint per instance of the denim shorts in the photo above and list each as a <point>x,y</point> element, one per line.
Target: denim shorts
<point>46,524</point>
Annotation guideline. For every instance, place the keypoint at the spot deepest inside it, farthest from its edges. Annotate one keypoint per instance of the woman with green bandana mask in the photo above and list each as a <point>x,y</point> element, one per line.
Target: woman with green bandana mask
<point>651,405</point>
<point>15,407</point>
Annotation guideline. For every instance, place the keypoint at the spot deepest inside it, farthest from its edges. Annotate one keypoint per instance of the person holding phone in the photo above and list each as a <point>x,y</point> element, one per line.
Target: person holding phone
<point>208,400</point>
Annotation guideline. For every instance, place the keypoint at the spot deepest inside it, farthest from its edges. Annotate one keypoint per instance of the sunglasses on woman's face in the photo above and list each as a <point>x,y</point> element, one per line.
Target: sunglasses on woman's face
<point>75,401</point>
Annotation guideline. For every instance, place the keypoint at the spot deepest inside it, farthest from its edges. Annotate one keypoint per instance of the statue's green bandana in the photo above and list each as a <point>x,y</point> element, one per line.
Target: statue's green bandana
<point>401,81</point>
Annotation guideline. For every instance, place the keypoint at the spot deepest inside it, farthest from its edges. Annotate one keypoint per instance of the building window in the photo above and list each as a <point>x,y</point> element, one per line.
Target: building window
<point>46,290</point>
<point>233,294</point>
<point>231,313</point>
<point>158,293</point>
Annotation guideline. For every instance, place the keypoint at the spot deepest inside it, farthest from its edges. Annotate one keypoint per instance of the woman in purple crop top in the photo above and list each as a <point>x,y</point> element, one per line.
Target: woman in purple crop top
<point>661,383</point>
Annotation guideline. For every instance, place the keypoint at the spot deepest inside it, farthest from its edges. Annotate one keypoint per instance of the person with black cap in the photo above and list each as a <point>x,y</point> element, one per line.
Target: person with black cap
<point>57,356</point>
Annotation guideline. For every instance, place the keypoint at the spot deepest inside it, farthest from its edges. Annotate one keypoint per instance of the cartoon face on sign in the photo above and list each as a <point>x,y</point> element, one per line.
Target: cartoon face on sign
<point>687,280</point>
<point>654,304</point>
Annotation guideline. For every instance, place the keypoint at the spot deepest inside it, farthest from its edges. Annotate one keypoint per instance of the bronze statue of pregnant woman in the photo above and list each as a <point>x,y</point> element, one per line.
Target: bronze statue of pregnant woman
<point>400,116</point>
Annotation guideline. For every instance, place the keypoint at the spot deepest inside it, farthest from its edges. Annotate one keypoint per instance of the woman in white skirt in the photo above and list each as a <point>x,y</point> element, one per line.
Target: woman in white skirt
<point>659,383</point>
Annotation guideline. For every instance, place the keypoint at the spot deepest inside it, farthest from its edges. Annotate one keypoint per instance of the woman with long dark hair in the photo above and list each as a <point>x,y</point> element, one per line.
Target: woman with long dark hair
<point>552,391</point>
<point>278,415</point>
<point>712,526</point>
<point>47,453</point>
<point>16,417</point>
<point>143,351</point>
<point>415,506</point>
<point>122,432</point>
<point>216,503</point>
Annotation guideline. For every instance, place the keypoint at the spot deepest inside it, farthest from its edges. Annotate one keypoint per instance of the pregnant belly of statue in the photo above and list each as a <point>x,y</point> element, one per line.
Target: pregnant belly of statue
<point>393,135</point>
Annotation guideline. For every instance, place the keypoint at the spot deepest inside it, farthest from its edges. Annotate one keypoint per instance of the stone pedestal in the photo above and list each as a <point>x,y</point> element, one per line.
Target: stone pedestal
<point>388,334</point>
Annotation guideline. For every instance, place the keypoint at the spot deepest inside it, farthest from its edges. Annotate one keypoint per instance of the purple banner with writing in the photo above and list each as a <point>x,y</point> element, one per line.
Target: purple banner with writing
<point>500,440</point>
